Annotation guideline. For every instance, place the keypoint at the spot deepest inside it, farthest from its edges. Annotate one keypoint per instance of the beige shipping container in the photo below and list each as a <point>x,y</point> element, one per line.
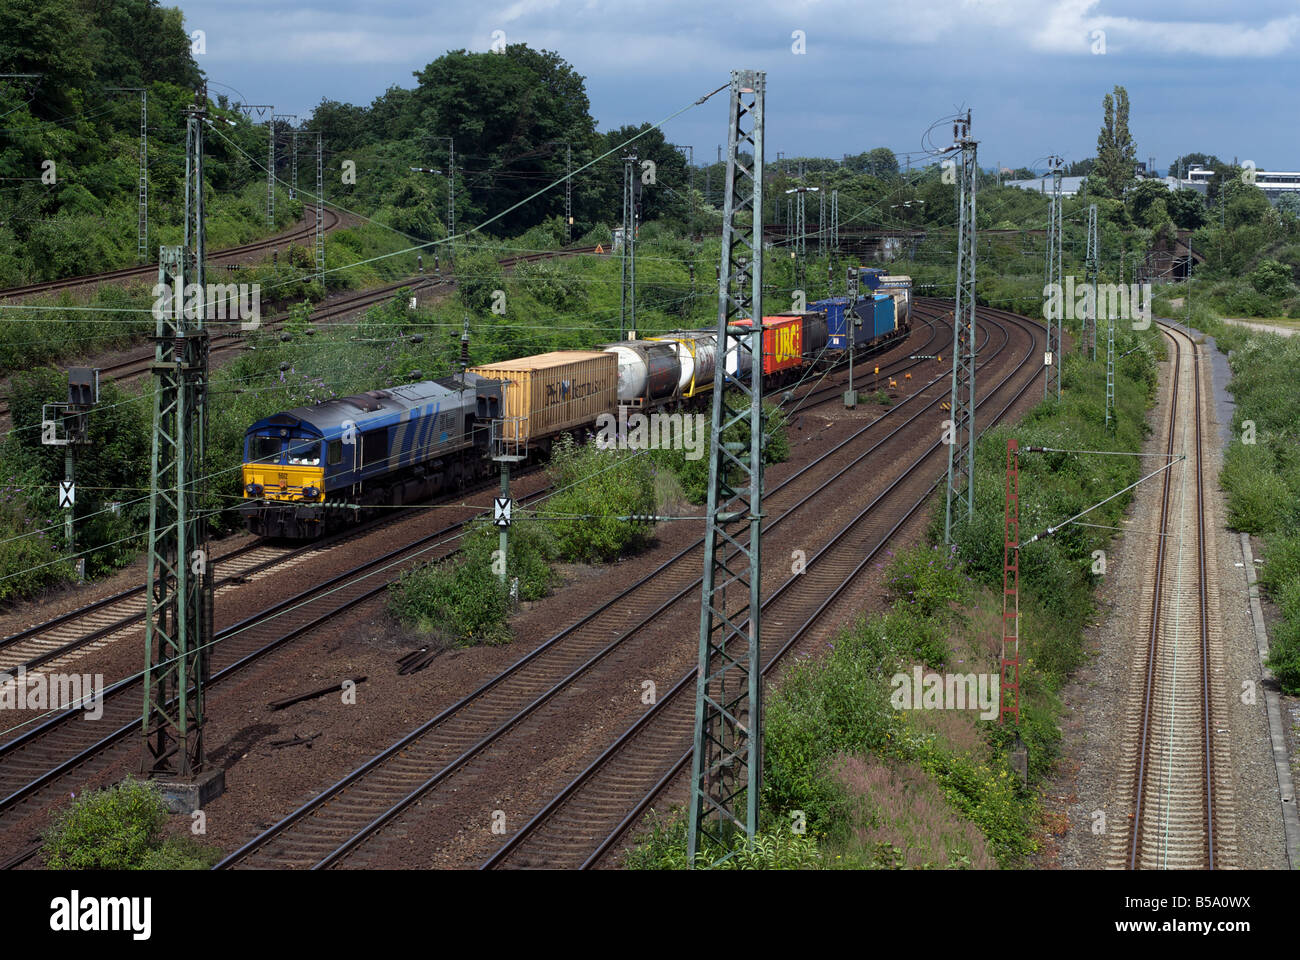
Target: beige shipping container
<point>551,392</point>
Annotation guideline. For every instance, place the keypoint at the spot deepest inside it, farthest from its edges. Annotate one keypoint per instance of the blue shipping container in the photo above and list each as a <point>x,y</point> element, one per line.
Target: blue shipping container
<point>884,316</point>
<point>835,306</point>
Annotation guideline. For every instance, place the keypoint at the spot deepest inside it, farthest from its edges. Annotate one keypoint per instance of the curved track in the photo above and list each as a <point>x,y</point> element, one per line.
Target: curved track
<point>584,821</point>
<point>150,270</point>
<point>41,759</point>
<point>452,752</point>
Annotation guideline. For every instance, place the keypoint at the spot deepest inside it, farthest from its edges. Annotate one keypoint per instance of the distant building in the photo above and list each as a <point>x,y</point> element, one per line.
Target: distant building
<point>1274,183</point>
<point>1070,186</point>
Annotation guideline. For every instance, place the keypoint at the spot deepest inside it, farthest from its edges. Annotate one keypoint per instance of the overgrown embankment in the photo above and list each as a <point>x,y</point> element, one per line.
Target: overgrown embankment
<point>854,775</point>
<point>1261,474</point>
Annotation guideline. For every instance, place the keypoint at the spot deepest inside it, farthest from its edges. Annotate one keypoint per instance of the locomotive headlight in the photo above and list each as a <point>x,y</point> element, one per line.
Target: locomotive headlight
<point>310,493</point>
<point>253,489</point>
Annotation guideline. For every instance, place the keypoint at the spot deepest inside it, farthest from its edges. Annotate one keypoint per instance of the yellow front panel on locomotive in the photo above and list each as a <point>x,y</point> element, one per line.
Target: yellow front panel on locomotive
<point>284,482</point>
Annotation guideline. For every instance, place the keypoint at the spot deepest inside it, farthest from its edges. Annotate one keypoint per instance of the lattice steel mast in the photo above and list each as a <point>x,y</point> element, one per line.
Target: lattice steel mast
<point>178,592</point>
<point>1010,686</point>
<point>1090,266</point>
<point>142,188</point>
<point>1052,381</point>
<point>727,764</point>
<point>627,304</point>
<point>320,212</point>
<point>961,446</point>
<point>270,170</point>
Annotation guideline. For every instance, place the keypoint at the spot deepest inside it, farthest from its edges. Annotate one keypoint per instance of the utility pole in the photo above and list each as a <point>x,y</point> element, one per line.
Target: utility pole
<point>801,234</point>
<point>835,223</point>
<point>1091,266</point>
<point>267,110</point>
<point>178,591</point>
<point>568,188</point>
<point>451,194</point>
<point>293,189</point>
<point>961,446</point>
<point>1110,370</point>
<point>1010,686</point>
<point>270,172</point>
<point>1052,382</point>
<point>851,321</point>
<point>627,308</point>
<point>142,188</point>
<point>726,767</point>
<point>821,223</point>
<point>320,213</point>
<point>451,198</point>
<point>688,151</point>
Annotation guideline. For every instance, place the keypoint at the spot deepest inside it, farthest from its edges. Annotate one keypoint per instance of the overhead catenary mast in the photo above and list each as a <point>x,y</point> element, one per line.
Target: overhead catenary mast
<point>961,436</point>
<point>727,766</point>
<point>178,590</point>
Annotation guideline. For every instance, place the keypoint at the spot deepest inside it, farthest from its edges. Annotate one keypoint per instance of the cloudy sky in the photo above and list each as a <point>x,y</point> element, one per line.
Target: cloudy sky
<point>1218,77</point>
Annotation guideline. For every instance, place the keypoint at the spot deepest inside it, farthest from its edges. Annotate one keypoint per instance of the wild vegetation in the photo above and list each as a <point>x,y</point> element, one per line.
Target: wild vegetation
<point>852,782</point>
<point>1261,474</point>
<point>121,827</point>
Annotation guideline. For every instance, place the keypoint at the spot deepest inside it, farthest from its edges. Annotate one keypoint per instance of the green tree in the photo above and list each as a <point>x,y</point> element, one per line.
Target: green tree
<point>1183,164</point>
<point>1148,203</point>
<point>1186,208</point>
<point>1244,204</point>
<point>1116,151</point>
<point>502,109</point>
<point>667,195</point>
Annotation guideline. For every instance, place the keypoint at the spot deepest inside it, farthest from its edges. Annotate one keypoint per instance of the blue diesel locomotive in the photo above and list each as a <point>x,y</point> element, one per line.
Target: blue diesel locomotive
<point>311,467</point>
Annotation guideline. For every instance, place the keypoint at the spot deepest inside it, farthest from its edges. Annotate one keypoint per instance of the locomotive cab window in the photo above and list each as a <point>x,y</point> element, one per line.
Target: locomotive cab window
<point>266,449</point>
<point>305,453</point>
<point>335,452</point>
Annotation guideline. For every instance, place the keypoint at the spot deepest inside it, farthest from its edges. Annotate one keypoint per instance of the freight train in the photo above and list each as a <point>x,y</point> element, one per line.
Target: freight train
<point>311,469</point>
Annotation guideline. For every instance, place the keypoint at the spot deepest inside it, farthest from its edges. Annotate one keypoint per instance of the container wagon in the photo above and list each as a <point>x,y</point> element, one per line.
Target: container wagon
<point>697,355</point>
<point>649,372</point>
<point>553,392</point>
<point>900,289</point>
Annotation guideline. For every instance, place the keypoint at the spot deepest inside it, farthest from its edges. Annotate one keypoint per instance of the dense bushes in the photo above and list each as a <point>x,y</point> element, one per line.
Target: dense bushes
<point>1261,475</point>
<point>121,828</point>
<point>462,599</point>
<point>593,490</point>
<point>880,787</point>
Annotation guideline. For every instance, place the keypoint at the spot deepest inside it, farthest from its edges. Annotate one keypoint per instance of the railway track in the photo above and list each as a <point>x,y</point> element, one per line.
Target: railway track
<point>229,341</point>
<point>583,822</point>
<point>100,622</point>
<point>150,270</point>
<point>37,761</point>
<point>452,751</point>
<point>34,762</point>
<point>1181,794</point>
